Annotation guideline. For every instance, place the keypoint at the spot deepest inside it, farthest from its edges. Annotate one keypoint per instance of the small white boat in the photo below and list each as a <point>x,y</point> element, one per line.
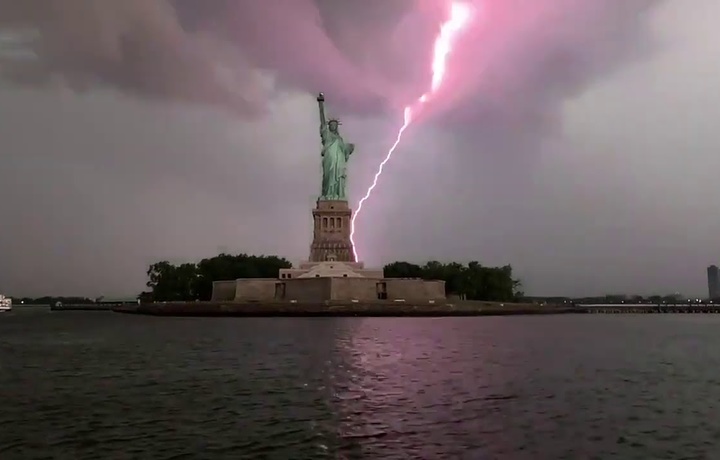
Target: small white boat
<point>5,303</point>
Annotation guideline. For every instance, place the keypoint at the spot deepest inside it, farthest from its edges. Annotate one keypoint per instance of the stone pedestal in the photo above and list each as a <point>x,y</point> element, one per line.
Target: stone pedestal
<point>331,232</point>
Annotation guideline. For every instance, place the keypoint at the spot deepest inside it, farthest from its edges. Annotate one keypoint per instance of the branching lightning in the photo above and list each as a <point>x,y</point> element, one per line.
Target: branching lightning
<point>459,18</point>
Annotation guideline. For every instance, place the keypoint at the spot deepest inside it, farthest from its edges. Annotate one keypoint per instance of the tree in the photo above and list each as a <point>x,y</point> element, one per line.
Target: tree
<point>169,282</point>
<point>229,267</point>
<point>403,270</point>
<point>471,281</point>
<point>193,281</point>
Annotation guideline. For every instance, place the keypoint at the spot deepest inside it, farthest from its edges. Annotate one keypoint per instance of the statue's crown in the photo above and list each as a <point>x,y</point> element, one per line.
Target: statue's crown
<point>335,120</point>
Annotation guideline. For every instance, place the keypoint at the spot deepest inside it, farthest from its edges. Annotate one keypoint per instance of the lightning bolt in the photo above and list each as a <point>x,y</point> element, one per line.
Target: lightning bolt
<point>459,18</point>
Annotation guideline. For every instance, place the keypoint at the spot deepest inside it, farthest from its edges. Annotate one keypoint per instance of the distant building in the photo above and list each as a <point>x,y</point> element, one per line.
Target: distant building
<point>713,276</point>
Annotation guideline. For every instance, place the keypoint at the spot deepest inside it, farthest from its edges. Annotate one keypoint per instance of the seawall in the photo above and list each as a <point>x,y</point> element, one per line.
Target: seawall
<point>267,309</point>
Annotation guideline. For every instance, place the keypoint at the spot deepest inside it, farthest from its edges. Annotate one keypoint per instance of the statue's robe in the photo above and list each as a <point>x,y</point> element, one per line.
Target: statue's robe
<point>335,155</point>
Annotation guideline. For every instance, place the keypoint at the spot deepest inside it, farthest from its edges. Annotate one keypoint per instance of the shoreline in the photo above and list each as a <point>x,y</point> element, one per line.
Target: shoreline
<point>81,307</point>
<point>341,309</point>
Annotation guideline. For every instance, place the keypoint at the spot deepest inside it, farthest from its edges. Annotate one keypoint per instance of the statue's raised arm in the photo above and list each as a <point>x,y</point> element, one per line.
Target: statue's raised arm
<point>321,106</point>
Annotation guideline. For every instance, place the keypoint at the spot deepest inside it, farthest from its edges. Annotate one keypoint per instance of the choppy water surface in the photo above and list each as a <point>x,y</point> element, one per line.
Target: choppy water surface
<point>108,386</point>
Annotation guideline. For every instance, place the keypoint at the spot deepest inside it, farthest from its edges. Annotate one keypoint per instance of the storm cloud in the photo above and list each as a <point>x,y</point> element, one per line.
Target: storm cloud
<point>149,129</point>
<point>364,54</point>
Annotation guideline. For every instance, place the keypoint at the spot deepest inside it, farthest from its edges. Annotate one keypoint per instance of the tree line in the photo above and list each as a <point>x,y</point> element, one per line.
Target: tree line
<point>51,300</point>
<point>193,281</point>
<point>471,281</point>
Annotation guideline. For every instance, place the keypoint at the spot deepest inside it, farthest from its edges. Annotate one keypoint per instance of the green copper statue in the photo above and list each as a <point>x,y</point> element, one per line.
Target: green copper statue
<point>335,155</point>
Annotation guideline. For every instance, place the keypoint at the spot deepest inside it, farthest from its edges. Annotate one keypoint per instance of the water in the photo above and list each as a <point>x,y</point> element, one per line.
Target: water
<point>107,386</point>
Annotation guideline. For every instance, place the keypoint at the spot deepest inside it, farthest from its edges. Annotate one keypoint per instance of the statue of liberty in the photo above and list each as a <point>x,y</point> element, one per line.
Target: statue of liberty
<point>335,155</point>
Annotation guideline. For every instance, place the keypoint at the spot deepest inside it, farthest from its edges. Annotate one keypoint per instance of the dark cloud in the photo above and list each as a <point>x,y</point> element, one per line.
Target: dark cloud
<point>137,46</point>
<point>208,53</point>
<point>365,54</point>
